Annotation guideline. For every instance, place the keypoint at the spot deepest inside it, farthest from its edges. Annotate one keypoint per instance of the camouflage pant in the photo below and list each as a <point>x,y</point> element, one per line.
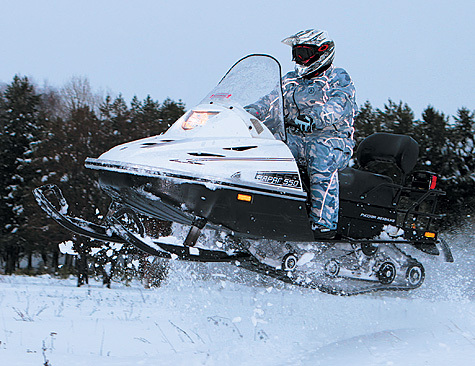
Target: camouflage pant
<point>323,157</point>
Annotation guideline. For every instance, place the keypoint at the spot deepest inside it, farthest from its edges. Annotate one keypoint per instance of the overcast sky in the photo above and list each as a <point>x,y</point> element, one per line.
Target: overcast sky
<point>419,51</point>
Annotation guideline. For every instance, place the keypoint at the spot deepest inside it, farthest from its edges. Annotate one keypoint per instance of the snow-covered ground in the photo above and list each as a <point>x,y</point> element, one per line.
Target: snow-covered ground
<point>220,315</point>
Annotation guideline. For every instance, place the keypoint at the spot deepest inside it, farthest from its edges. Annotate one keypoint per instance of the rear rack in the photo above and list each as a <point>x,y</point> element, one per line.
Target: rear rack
<point>413,209</point>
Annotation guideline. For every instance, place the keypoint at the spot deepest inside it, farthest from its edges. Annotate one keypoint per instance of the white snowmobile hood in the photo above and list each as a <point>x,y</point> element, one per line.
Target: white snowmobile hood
<point>210,143</point>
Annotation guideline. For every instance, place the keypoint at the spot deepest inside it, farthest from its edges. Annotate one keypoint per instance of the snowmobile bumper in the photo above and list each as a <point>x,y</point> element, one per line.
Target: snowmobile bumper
<point>74,224</point>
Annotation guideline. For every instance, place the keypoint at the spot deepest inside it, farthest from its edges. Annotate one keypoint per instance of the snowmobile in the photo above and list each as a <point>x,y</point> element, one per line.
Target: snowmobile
<point>234,193</point>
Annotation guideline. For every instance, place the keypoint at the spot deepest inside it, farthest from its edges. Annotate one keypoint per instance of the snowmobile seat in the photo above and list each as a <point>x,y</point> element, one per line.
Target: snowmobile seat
<point>362,186</point>
<point>377,189</point>
<point>401,150</point>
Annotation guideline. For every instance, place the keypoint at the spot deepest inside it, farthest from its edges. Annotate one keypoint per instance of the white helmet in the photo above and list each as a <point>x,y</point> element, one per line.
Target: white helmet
<point>312,51</point>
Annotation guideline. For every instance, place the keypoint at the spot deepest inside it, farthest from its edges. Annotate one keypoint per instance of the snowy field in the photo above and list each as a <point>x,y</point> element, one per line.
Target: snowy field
<point>219,315</point>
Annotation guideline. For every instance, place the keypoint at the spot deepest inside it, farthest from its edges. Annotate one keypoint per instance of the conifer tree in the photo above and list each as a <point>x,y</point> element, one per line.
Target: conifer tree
<point>464,142</point>
<point>19,139</point>
<point>151,118</point>
<point>462,188</point>
<point>170,111</point>
<point>433,135</point>
<point>397,118</point>
<point>367,122</point>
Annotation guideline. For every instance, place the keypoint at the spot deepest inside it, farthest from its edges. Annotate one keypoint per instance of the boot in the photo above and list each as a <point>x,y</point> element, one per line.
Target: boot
<point>321,232</point>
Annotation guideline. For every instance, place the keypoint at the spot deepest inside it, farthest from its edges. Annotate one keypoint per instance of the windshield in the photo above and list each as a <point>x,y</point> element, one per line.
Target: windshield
<point>255,79</point>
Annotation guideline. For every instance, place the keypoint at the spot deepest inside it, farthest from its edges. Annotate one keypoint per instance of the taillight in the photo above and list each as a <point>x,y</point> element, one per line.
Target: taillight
<point>423,180</point>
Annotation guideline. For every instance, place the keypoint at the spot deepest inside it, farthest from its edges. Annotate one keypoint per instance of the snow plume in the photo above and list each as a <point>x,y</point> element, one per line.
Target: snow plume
<point>453,281</point>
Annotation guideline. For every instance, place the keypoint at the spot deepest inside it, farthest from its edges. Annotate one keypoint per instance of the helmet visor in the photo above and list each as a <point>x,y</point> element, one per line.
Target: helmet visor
<point>306,54</point>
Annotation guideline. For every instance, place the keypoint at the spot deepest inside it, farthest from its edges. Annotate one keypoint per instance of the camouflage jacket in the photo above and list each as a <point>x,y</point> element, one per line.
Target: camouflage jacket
<point>324,105</point>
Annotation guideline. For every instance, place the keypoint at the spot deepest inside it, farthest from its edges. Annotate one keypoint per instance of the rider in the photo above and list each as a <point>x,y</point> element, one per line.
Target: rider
<point>319,110</point>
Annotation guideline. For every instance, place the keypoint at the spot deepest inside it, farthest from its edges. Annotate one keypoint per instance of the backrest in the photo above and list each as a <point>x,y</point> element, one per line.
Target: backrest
<point>401,150</point>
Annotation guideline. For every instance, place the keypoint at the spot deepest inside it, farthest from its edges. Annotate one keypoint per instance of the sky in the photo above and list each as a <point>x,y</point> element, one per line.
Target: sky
<point>420,52</point>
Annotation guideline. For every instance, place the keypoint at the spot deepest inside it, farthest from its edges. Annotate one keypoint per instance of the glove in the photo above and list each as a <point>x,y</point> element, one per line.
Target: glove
<point>305,123</point>
<point>305,119</point>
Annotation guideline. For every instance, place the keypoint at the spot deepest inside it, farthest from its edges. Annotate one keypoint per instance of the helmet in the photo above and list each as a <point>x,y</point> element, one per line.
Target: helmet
<point>312,51</point>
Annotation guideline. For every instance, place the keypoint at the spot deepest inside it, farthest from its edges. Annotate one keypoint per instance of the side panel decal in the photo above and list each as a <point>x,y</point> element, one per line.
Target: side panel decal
<point>283,179</point>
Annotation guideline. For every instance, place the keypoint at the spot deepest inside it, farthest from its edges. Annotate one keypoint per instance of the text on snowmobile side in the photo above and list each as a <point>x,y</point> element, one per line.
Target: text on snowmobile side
<point>379,218</point>
<point>279,179</point>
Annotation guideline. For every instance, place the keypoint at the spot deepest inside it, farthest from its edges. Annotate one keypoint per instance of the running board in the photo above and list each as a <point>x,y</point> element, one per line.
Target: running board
<point>439,245</point>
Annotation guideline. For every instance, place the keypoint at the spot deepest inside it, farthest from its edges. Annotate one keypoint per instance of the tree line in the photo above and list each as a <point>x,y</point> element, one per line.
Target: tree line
<point>46,134</point>
<point>446,148</point>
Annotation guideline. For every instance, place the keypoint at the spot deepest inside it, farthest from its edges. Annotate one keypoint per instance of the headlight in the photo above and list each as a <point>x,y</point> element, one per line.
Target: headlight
<point>196,118</point>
